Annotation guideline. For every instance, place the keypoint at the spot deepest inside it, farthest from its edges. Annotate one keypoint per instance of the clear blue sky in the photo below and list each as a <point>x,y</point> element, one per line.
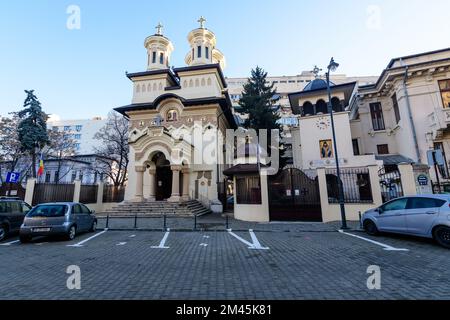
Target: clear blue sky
<point>80,73</point>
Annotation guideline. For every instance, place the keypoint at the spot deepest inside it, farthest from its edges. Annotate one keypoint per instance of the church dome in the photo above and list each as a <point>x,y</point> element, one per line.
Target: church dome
<point>317,84</point>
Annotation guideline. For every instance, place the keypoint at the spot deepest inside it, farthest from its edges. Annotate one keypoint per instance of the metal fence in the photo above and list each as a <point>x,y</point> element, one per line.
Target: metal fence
<point>49,192</point>
<point>356,185</point>
<point>113,193</point>
<point>390,183</point>
<point>88,194</point>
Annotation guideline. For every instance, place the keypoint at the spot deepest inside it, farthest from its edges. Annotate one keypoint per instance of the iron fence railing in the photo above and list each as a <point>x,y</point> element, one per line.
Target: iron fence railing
<point>50,192</point>
<point>356,185</point>
<point>88,194</point>
<point>112,193</point>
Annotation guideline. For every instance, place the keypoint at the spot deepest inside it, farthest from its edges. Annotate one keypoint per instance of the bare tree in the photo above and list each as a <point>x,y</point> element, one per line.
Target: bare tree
<point>112,156</point>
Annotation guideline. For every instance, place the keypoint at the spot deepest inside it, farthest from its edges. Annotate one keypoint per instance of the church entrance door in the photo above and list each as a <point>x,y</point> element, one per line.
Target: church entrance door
<point>163,182</point>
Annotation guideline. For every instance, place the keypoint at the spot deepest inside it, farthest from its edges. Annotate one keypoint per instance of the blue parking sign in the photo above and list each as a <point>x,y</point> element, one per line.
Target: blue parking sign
<point>12,177</point>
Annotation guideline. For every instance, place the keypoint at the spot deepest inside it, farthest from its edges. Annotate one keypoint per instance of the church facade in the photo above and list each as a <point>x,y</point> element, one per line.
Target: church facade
<point>180,119</point>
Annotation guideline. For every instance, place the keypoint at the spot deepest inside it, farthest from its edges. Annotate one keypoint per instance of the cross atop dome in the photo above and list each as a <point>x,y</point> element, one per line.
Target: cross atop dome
<point>202,21</point>
<point>159,29</point>
<point>316,71</point>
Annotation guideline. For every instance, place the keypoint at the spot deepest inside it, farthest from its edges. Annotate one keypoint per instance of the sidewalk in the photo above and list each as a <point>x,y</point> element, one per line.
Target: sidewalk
<point>215,222</point>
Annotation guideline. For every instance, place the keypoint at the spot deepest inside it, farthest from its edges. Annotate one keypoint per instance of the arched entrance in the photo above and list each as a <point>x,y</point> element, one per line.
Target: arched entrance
<point>163,177</point>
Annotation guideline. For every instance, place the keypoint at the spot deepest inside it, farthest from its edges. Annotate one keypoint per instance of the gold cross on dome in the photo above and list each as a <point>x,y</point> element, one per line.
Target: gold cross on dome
<point>202,22</point>
<point>159,28</point>
<point>316,71</point>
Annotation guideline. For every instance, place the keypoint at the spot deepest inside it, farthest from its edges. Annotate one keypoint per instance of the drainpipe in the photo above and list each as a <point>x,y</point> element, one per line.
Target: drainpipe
<point>411,121</point>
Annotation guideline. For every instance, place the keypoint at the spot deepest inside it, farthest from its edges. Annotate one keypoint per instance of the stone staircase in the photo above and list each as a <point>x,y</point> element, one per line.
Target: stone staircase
<point>188,208</point>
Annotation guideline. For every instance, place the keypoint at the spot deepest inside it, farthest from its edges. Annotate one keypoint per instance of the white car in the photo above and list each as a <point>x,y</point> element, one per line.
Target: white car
<point>425,216</point>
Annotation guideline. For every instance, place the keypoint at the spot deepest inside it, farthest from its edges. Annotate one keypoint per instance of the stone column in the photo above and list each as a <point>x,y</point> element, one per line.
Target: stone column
<point>77,191</point>
<point>139,183</point>
<point>175,197</point>
<point>152,194</point>
<point>185,195</point>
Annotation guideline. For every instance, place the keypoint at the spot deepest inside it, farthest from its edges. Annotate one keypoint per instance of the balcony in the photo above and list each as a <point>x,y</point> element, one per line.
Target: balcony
<point>438,122</point>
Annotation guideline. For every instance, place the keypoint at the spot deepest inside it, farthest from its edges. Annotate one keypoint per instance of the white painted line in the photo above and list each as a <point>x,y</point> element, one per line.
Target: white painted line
<point>40,243</point>
<point>121,244</point>
<point>9,243</point>
<point>133,236</point>
<point>256,244</point>
<point>162,244</point>
<point>385,246</point>
<point>203,245</point>
<point>80,244</point>
<point>206,237</point>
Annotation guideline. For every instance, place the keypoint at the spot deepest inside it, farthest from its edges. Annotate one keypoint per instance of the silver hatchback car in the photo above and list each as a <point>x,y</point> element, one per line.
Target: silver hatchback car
<point>425,216</point>
<point>66,219</point>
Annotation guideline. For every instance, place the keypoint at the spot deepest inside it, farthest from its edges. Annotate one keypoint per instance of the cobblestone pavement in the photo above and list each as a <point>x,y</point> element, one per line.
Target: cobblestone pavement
<point>307,262</point>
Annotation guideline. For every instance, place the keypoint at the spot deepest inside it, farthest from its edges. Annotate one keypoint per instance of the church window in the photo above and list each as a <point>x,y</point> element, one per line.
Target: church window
<point>161,58</point>
<point>172,115</point>
<point>138,88</point>
<point>193,54</point>
<point>149,87</point>
<point>383,149</point>
<point>209,81</point>
<point>203,82</point>
<point>207,53</point>
<point>376,113</point>
<point>321,107</point>
<point>153,57</point>
<point>191,83</point>
<point>199,51</point>
<point>336,104</point>
<point>160,86</point>
<point>185,84</point>
<point>143,87</point>
<point>444,86</point>
<point>197,82</point>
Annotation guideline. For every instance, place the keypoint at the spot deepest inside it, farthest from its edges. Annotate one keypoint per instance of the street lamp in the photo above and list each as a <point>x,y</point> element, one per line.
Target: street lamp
<point>331,68</point>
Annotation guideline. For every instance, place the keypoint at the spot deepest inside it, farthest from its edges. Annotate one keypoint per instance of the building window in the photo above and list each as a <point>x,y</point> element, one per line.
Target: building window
<point>193,54</point>
<point>383,149</point>
<point>444,86</point>
<point>395,106</point>
<point>153,57</point>
<point>48,176</point>
<point>74,176</point>
<point>66,128</point>
<point>56,177</point>
<point>443,169</point>
<point>207,53</point>
<point>161,58</point>
<point>248,190</point>
<point>376,113</point>
<point>355,144</point>
<point>199,51</point>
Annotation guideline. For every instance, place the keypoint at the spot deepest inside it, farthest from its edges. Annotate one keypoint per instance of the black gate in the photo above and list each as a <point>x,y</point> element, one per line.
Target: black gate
<point>390,183</point>
<point>293,196</point>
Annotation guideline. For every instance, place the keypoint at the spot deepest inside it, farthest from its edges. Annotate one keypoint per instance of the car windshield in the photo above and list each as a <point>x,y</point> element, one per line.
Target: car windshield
<point>51,210</point>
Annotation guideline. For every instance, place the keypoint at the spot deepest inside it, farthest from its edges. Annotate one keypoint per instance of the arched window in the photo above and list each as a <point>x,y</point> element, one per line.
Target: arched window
<point>321,107</point>
<point>185,83</point>
<point>143,87</point>
<point>154,87</point>
<point>199,51</point>
<point>160,86</point>
<point>149,87</point>
<point>191,83</point>
<point>153,57</point>
<point>172,115</point>
<point>203,82</point>
<point>197,82</point>
<point>336,104</point>
<point>207,52</point>
<point>209,81</point>
<point>161,58</point>
<point>138,88</point>
<point>308,109</point>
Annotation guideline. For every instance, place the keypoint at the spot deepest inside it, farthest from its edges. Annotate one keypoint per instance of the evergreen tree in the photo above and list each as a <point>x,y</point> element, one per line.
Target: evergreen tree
<point>32,128</point>
<point>258,102</point>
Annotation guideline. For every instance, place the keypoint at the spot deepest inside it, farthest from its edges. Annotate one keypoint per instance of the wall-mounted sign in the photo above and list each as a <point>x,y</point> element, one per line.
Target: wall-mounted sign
<point>422,180</point>
<point>288,192</point>
<point>12,177</point>
<point>297,192</point>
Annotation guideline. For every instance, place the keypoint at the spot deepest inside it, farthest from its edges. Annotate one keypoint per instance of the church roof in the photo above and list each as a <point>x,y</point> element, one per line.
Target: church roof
<point>317,84</point>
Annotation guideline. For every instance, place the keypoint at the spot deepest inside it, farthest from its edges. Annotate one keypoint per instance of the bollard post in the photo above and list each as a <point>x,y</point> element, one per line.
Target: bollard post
<point>107,221</point>
<point>135,221</point>
<point>226,222</point>
<point>360,220</point>
<point>195,222</point>
<point>164,222</point>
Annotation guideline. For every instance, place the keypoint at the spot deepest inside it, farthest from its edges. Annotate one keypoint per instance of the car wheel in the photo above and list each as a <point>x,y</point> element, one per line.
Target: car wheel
<point>442,236</point>
<point>94,226</point>
<point>3,232</point>
<point>370,227</point>
<point>71,233</point>
<point>25,239</point>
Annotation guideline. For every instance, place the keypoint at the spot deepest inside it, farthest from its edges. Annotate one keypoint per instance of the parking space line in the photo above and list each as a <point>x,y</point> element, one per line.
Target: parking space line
<point>385,246</point>
<point>253,246</point>
<point>9,243</point>
<point>121,244</point>
<point>162,244</point>
<point>81,243</point>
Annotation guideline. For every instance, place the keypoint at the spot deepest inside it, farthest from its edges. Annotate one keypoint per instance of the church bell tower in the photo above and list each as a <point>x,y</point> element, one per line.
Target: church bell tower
<point>159,48</point>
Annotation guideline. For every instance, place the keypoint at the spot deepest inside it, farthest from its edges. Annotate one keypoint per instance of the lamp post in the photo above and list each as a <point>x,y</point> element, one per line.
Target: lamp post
<point>331,68</point>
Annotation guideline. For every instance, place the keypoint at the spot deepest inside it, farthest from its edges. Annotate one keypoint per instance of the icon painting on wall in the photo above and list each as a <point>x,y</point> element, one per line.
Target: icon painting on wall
<point>326,150</point>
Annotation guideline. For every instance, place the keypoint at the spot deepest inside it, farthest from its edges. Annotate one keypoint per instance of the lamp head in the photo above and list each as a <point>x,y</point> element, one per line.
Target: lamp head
<point>333,65</point>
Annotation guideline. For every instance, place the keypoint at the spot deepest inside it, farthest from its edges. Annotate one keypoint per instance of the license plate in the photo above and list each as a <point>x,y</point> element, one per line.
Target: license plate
<point>41,229</point>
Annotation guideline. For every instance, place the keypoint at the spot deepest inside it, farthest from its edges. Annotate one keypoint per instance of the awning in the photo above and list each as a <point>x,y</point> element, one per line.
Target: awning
<point>393,159</point>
